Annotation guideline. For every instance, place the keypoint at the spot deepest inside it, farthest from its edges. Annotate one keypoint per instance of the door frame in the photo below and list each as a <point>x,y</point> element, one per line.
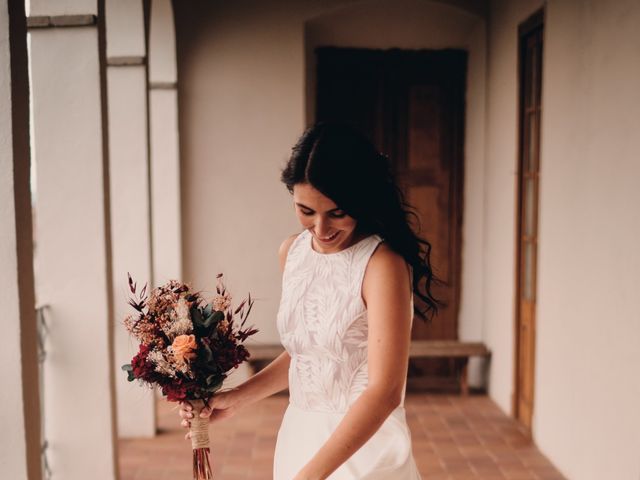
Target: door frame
<point>534,21</point>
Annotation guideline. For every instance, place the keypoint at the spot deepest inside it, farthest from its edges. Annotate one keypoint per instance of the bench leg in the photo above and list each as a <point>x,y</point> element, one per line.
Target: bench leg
<point>464,385</point>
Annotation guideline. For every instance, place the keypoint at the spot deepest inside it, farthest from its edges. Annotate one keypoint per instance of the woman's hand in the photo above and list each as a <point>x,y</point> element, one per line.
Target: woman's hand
<point>222,405</point>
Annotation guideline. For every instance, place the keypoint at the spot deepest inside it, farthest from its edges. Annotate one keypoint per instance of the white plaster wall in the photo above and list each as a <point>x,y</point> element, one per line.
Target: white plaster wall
<point>587,397</point>
<point>72,263</point>
<point>471,320</point>
<point>500,193</point>
<point>242,108</point>
<point>243,105</point>
<point>586,417</point>
<point>13,453</point>
<point>165,186</point>
<point>162,43</point>
<point>61,7</point>
<point>130,232</point>
<point>125,28</point>
<point>164,152</point>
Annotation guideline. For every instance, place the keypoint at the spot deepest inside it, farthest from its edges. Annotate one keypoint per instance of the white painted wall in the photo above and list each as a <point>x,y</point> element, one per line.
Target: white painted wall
<point>242,83</point>
<point>13,451</point>
<point>162,43</point>
<point>165,158</point>
<point>129,185</point>
<point>61,7</point>
<point>586,417</point>
<point>587,404</point>
<point>125,28</point>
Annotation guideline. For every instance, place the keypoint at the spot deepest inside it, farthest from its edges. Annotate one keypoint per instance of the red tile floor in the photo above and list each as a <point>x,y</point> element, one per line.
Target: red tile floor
<point>454,438</point>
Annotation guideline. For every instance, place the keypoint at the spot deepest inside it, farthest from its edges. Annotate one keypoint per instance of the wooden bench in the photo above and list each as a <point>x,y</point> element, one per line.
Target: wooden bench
<point>454,349</point>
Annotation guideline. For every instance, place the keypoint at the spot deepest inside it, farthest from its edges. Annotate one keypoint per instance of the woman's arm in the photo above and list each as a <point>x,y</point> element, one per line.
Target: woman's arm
<point>271,379</point>
<point>386,290</point>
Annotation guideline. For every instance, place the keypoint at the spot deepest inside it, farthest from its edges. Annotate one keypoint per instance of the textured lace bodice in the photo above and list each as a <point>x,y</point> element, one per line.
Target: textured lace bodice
<point>322,322</point>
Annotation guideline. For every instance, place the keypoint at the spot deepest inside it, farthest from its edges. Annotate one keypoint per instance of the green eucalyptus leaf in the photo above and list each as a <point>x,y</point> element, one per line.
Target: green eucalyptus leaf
<point>208,321</point>
<point>212,321</point>
<point>129,369</point>
<point>196,316</point>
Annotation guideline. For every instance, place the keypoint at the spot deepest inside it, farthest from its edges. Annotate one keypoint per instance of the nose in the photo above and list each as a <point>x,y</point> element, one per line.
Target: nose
<point>323,229</point>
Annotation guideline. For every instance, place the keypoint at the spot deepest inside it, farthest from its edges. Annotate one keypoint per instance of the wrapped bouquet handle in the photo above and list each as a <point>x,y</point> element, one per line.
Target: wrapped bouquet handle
<point>200,443</point>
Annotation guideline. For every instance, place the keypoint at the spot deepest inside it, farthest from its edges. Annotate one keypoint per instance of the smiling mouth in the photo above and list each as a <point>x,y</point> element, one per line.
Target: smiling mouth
<point>328,239</point>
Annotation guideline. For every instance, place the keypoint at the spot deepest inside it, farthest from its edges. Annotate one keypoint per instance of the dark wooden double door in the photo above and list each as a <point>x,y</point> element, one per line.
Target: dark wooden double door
<point>411,104</point>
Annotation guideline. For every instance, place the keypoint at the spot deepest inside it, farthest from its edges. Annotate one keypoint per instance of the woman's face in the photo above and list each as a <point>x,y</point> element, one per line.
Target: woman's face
<point>331,227</point>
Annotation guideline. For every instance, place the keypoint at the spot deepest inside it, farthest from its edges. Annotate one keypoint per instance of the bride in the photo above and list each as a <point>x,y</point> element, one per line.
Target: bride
<point>344,318</point>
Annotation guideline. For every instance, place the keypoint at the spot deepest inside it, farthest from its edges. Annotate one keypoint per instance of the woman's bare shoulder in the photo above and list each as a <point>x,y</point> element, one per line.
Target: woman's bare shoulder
<point>384,258</point>
<point>386,269</point>
<point>284,249</point>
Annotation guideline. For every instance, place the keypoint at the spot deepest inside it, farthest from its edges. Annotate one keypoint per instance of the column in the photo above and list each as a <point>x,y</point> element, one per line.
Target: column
<point>165,160</point>
<point>129,187</point>
<point>19,393</point>
<point>73,264</point>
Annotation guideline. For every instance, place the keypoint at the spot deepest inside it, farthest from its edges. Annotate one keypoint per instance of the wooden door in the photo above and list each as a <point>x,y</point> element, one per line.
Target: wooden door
<point>411,104</point>
<point>527,236</point>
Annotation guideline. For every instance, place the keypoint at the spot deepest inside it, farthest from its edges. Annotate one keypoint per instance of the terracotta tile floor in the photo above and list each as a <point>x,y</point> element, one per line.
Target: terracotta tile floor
<point>454,438</point>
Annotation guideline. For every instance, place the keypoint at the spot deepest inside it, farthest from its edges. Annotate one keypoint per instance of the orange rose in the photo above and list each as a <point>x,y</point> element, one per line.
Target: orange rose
<point>183,347</point>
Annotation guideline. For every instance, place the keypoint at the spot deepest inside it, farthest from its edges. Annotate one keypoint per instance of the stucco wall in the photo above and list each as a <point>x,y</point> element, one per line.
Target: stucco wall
<point>587,385</point>
<point>243,102</point>
<point>587,399</point>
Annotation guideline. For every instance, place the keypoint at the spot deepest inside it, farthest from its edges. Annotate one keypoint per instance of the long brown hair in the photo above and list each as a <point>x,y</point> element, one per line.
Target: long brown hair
<point>344,165</point>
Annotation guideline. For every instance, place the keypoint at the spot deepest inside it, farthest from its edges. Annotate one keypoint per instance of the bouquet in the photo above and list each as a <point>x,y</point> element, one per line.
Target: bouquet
<point>187,349</point>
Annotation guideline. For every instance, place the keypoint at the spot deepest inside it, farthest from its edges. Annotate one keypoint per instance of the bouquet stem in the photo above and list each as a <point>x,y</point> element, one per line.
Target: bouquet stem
<point>200,443</point>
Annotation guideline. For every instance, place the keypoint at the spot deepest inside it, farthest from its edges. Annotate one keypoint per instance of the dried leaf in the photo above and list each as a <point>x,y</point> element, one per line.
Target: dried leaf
<point>132,286</point>
<point>239,307</point>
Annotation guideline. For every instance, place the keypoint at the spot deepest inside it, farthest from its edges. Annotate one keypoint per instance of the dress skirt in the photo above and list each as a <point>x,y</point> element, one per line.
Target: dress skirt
<point>386,455</point>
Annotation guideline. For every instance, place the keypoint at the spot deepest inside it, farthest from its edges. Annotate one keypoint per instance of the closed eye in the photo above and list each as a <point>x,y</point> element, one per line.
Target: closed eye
<point>333,215</point>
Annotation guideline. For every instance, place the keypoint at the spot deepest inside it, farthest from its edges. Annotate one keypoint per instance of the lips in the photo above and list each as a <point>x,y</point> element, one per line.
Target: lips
<point>328,239</point>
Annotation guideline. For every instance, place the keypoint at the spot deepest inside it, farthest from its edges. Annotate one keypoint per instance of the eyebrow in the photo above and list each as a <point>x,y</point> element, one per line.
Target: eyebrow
<point>304,206</point>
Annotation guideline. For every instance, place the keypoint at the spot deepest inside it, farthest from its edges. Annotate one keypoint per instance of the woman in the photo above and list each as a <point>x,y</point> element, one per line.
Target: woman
<point>345,316</point>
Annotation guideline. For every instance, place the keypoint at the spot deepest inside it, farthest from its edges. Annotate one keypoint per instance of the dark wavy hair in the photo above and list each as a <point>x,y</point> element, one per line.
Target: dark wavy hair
<point>344,165</point>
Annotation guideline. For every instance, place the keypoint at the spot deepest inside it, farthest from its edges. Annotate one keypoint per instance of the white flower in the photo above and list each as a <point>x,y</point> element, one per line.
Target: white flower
<point>162,364</point>
<point>180,323</point>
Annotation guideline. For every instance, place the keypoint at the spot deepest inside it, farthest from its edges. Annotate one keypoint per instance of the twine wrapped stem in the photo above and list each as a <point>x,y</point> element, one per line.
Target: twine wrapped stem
<point>200,443</point>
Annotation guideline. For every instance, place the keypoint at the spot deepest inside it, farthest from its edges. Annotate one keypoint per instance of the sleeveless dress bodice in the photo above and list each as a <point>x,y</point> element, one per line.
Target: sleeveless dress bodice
<point>322,323</point>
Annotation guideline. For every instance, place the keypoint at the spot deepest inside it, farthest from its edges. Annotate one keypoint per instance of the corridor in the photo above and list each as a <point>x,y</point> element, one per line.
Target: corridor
<point>454,438</point>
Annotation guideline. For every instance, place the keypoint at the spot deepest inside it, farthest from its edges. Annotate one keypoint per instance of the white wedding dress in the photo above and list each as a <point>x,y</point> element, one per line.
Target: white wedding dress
<point>322,322</point>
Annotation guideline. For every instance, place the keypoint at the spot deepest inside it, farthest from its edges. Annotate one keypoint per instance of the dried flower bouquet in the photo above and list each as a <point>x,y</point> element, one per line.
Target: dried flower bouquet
<point>187,349</point>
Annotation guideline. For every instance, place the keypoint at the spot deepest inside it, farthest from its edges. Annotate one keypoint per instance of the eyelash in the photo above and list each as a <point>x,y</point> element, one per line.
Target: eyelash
<point>334,215</point>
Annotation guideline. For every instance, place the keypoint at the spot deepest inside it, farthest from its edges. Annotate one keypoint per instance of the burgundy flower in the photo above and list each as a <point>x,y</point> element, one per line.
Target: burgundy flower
<point>175,392</point>
<point>142,368</point>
